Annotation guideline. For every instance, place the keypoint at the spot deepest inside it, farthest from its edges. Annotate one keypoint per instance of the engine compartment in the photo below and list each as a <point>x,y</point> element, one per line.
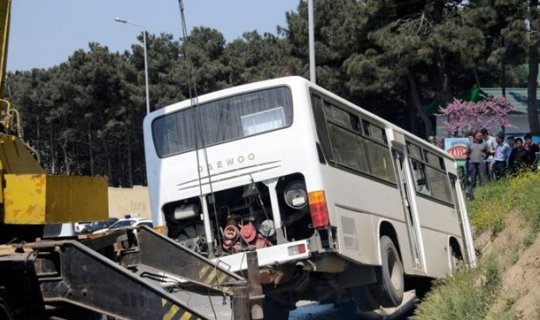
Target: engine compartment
<point>241,218</point>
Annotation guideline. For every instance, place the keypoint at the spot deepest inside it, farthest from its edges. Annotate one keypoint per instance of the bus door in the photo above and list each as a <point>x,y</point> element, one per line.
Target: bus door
<point>461,210</point>
<point>409,205</point>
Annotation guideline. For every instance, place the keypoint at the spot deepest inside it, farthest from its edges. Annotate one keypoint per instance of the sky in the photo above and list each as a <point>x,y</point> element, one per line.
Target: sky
<point>45,33</point>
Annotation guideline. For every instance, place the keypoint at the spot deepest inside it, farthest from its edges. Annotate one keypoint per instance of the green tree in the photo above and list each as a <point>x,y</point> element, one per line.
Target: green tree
<point>257,57</point>
<point>205,47</point>
<point>502,23</point>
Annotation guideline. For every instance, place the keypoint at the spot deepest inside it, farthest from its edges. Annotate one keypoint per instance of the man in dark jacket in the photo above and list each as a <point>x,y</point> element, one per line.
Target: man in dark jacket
<point>519,158</point>
<point>533,150</point>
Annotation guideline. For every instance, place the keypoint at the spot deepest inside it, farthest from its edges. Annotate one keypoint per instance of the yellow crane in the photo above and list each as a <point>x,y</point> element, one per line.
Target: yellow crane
<point>5,17</point>
<point>29,195</point>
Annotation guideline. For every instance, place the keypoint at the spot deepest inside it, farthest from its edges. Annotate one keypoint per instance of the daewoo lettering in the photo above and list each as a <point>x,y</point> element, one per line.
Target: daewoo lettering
<point>229,162</point>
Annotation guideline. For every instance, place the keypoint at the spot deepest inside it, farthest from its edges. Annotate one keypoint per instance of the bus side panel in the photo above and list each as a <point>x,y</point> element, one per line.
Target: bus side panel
<point>436,247</point>
<point>437,223</point>
<point>358,201</point>
<point>356,237</point>
<point>438,216</point>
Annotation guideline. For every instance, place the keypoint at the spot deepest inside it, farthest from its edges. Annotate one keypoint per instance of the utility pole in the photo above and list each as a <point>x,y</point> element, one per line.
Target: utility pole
<point>312,73</point>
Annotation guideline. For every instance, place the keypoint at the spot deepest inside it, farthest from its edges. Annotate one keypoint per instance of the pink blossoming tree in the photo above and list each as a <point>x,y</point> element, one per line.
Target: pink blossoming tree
<point>467,116</point>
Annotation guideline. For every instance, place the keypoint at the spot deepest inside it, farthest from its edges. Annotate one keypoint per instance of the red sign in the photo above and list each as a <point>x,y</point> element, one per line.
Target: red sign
<point>458,152</point>
<point>457,147</point>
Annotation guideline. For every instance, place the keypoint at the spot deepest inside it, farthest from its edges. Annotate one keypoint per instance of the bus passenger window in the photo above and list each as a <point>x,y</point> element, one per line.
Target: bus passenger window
<point>322,131</point>
<point>433,160</point>
<point>380,161</point>
<point>420,178</point>
<point>439,185</point>
<point>374,131</point>
<point>414,151</point>
<point>348,149</point>
<point>341,117</point>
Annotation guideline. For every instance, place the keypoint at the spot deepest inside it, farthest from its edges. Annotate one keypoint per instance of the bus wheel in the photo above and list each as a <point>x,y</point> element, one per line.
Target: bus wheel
<point>456,261</point>
<point>390,283</point>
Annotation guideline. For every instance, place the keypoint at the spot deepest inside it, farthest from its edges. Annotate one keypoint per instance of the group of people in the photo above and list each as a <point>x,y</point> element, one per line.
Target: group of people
<point>491,157</point>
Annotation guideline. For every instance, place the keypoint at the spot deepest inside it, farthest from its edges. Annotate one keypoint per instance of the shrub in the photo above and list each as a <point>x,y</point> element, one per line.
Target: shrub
<point>466,295</point>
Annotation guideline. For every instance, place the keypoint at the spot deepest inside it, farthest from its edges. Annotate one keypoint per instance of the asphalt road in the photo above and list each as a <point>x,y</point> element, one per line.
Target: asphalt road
<point>219,308</point>
<point>314,311</point>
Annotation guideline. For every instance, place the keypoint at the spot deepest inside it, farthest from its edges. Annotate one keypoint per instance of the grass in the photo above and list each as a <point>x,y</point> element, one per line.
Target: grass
<point>470,294</point>
<point>530,238</point>
<point>495,200</point>
<point>466,295</point>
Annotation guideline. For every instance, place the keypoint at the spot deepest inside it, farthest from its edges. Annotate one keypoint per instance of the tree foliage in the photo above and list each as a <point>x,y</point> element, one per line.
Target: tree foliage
<point>399,59</point>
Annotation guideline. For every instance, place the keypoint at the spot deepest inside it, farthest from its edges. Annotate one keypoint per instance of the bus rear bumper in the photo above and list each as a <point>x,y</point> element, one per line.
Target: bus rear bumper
<point>274,255</point>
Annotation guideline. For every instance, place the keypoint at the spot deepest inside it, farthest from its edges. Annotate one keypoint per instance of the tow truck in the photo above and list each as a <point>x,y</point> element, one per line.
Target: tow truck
<point>126,274</point>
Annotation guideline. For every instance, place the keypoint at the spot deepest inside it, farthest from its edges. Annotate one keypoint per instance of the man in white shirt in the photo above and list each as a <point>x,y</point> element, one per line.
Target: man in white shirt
<point>490,140</point>
<point>501,156</point>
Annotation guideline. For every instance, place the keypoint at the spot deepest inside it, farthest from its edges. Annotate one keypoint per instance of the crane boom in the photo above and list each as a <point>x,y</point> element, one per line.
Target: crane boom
<point>5,18</point>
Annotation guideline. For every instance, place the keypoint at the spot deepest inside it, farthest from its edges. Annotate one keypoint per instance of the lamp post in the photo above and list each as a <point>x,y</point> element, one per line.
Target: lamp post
<point>145,59</point>
<point>311,34</point>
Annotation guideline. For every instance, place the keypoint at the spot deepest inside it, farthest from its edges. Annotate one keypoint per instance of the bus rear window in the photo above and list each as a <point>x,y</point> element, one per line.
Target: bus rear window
<point>223,120</point>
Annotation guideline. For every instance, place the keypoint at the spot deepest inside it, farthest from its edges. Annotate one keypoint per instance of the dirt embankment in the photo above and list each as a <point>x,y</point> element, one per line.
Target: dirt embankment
<point>516,250</point>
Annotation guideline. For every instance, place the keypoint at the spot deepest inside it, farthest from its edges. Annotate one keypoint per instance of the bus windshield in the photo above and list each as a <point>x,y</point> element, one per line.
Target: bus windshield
<point>223,120</point>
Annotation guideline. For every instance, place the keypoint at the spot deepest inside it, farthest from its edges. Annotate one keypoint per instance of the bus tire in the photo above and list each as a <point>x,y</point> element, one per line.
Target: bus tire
<point>390,282</point>
<point>456,261</point>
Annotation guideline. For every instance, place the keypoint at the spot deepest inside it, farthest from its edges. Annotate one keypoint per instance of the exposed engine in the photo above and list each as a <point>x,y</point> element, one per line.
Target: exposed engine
<point>247,226</point>
<point>238,237</point>
<point>193,237</point>
<point>241,218</point>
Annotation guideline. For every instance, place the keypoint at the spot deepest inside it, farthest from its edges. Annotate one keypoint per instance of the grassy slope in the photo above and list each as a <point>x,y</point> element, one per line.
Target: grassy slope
<point>506,220</point>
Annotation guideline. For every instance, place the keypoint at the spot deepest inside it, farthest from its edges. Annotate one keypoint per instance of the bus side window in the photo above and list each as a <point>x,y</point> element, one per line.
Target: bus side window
<point>380,161</point>
<point>439,185</point>
<point>420,178</point>
<point>348,148</point>
<point>320,123</point>
<point>374,131</point>
<point>434,161</point>
<point>414,151</point>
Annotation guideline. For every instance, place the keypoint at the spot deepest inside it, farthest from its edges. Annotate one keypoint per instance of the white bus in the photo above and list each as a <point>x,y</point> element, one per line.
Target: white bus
<point>338,203</point>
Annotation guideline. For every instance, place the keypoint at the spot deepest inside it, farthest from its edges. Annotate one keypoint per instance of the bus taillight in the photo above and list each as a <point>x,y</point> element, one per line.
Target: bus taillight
<point>319,210</point>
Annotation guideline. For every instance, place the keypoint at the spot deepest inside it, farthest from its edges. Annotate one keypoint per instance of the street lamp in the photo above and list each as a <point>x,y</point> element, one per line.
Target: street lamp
<point>145,59</point>
<point>311,42</point>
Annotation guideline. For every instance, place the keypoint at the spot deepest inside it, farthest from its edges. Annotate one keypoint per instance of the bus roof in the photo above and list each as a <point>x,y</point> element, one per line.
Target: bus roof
<point>289,80</point>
